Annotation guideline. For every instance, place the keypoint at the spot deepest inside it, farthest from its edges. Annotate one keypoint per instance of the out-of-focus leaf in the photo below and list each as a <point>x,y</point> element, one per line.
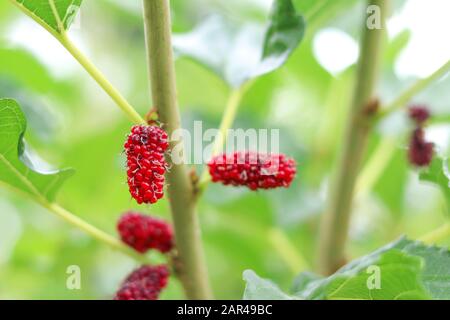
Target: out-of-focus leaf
<point>240,54</point>
<point>303,279</point>
<point>17,170</point>
<point>408,270</point>
<point>323,12</point>
<point>286,30</point>
<point>22,67</point>
<point>40,119</point>
<point>4,12</point>
<point>436,273</point>
<point>392,182</point>
<point>438,174</point>
<point>261,289</point>
<point>42,11</point>
<point>399,279</point>
<point>209,43</point>
<point>399,272</point>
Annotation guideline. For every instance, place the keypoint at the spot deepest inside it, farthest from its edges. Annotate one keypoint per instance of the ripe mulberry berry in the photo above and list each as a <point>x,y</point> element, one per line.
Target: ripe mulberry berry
<point>419,114</point>
<point>143,232</point>
<point>254,170</point>
<point>420,151</point>
<point>145,283</point>
<point>145,148</point>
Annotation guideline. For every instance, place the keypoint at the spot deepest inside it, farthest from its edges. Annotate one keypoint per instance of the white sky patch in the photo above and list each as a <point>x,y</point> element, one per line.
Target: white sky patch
<point>429,47</point>
<point>26,34</point>
<point>440,136</point>
<point>335,50</point>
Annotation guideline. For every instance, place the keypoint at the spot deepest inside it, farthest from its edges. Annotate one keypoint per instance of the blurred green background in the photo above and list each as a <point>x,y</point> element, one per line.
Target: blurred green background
<point>72,123</point>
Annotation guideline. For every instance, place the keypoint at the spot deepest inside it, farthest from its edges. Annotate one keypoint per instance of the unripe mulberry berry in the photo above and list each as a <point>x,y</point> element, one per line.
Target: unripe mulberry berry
<point>419,114</point>
<point>145,283</point>
<point>144,148</point>
<point>253,170</point>
<point>420,152</point>
<point>143,232</point>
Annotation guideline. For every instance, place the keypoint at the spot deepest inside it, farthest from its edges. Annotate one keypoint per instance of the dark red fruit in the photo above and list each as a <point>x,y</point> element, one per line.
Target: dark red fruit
<point>143,232</point>
<point>253,170</point>
<point>420,151</point>
<point>419,114</point>
<point>145,283</point>
<point>145,148</point>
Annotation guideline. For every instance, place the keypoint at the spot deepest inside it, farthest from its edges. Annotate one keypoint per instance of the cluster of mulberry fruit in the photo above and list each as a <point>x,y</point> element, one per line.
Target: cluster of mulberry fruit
<point>145,283</point>
<point>143,232</point>
<point>420,152</point>
<point>146,166</point>
<point>145,148</point>
<point>253,170</point>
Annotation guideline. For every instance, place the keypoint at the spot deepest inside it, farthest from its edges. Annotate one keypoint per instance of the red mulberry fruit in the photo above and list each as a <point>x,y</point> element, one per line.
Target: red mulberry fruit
<point>145,283</point>
<point>145,148</point>
<point>419,114</point>
<point>420,151</point>
<point>254,170</point>
<point>143,232</point>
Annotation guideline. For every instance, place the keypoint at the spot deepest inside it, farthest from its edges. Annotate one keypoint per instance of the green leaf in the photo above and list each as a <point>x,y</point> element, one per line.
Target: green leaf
<point>261,289</point>
<point>409,270</point>
<point>240,54</point>
<point>324,12</point>
<point>399,279</point>
<point>286,30</point>
<point>399,275</point>
<point>17,168</point>
<point>303,279</point>
<point>439,174</point>
<point>406,270</point>
<point>41,11</point>
<point>436,274</point>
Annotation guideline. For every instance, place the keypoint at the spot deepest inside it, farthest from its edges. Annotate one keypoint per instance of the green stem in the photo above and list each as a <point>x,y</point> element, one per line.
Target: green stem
<point>227,121</point>
<point>192,267</point>
<point>416,88</point>
<point>101,80</point>
<point>437,235</point>
<point>94,232</point>
<point>336,219</point>
<point>65,41</point>
<point>79,223</point>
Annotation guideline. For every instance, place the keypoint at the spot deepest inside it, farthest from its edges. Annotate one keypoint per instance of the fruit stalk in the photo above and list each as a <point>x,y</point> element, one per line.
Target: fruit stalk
<point>336,219</point>
<point>192,271</point>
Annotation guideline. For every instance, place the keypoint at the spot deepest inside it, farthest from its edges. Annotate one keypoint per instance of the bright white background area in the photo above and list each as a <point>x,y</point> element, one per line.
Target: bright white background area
<point>428,48</point>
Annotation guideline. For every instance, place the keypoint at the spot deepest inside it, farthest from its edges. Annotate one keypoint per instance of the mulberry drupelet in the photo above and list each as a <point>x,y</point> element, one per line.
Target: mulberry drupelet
<point>253,170</point>
<point>143,232</point>
<point>146,166</point>
<point>145,283</point>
